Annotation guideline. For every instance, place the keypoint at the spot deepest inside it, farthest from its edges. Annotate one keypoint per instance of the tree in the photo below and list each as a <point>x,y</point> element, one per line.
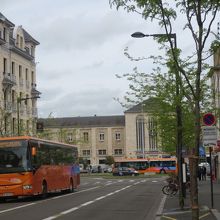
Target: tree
<point>109,160</point>
<point>199,17</point>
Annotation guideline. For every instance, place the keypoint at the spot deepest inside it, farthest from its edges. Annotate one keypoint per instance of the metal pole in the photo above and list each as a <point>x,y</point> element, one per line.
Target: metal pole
<point>18,115</point>
<point>211,181</point>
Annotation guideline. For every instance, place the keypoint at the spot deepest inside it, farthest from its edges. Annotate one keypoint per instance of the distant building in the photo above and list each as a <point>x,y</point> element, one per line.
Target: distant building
<point>132,135</point>
<point>18,111</point>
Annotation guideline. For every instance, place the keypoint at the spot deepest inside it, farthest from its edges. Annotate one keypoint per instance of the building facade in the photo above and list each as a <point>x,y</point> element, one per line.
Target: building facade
<point>18,93</point>
<point>132,135</point>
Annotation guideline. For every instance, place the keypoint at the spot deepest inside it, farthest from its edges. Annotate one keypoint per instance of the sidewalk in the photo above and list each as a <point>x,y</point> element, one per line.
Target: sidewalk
<point>170,207</point>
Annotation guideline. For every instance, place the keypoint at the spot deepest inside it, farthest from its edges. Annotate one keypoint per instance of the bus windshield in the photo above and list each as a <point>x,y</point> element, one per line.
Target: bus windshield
<point>14,157</point>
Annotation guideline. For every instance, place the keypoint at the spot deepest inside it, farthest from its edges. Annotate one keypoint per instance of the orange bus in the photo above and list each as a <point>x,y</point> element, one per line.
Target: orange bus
<point>154,165</point>
<point>31,166</point>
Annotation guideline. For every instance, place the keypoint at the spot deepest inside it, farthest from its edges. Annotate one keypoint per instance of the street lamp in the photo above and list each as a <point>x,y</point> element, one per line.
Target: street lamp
<point>141,35</point>
<point>19,100</point>
<point>178,110</point>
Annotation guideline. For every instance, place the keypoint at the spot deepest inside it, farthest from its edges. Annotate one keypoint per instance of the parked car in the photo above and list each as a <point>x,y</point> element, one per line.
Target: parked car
<point>124,171</point>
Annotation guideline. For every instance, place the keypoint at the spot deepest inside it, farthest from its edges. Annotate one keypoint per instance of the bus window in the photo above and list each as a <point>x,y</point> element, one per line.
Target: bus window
<point>14,157</point>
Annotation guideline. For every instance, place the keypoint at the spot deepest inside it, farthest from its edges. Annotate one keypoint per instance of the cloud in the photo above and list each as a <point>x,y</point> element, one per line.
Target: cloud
<point>84,103</point>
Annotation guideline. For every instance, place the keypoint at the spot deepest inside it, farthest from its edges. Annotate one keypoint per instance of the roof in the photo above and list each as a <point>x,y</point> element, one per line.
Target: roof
<point>6,21</point>
<point>29,38</point>
<point>146,106</point>
<point>84,122</point>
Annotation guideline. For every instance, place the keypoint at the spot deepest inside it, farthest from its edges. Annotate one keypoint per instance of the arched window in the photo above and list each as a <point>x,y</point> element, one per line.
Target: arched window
<point>140,132</point>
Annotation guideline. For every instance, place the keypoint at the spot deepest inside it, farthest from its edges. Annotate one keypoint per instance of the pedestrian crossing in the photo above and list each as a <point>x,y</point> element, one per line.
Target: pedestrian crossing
<point>105,182</point>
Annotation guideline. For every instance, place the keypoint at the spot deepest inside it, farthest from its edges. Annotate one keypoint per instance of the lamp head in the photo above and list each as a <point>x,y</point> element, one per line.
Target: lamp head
<point>138,35</point>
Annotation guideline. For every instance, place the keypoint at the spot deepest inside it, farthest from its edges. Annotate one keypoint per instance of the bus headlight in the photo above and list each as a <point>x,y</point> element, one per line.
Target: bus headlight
<point>27,186</point>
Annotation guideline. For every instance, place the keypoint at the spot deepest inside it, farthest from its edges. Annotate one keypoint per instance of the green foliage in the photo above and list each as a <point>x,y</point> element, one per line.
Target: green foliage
<point>109,160</point>
<point>189,73</point>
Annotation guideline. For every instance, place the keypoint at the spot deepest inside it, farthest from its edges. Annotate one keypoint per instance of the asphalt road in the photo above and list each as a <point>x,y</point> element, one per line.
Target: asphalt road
<point>96,199</point>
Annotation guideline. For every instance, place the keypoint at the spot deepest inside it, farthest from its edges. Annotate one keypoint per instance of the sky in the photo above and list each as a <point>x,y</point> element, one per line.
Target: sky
<point>81,50</point>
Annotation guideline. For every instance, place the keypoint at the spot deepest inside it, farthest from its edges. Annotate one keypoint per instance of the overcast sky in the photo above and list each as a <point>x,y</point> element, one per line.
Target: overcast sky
<point>81,49</point>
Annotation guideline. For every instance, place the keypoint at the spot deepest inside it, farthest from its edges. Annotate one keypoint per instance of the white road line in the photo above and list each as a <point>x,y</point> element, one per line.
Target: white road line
<point>18,207</point>
<point>86,203</point>
<point>35,203</point>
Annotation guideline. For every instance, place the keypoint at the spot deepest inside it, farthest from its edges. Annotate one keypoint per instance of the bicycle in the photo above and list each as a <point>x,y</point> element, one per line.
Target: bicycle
<point>173,186</point>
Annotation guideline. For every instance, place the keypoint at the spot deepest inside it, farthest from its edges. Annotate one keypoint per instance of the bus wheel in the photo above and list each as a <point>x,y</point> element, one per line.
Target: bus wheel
<point>71,186</point>
<point>3,200</point>
<point>44,190</point>
<point>162,171</point>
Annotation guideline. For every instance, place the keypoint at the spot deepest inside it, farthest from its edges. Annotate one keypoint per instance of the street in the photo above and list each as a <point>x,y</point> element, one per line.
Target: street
<point>97,198</point>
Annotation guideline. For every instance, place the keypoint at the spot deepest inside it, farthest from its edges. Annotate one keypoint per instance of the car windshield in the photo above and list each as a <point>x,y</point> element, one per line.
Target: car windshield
<point>14,157</point>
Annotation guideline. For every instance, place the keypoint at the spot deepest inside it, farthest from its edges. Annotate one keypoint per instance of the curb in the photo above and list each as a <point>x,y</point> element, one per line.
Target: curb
<point>216,213</point>
<point>161,207</point>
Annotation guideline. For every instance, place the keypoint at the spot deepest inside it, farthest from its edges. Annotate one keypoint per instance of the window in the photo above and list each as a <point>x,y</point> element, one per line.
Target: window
<point>118,151</point>
<point>4,65</point>
<point>69,137</point>
<point>102,152</point>
<point>20,71</point>
<point>117,136</point>
<point>4,34</point>
<point>152,127</point>
<point>85,136</point>
<point>101,136</point>
<point>140,131</point>
<point>32,78</point>
<point>17,41</point>
<point>21,42</point>
<point>86,152</point>
<point>13,67</point>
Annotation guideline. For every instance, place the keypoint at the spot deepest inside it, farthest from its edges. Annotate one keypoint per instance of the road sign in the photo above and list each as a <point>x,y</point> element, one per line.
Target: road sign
<point>209,135</point>
<point>208,119</point>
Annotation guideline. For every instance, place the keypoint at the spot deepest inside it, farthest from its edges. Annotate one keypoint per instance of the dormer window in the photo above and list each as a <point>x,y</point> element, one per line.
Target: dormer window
<point>32,51</point>
<point>17,41</point>
<point>4,34</point>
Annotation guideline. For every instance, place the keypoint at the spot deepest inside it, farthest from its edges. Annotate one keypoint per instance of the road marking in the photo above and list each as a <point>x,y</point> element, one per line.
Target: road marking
<point>18,207</point>
<point>202,216</point>
<point>86,203</point>
<point>167,217</point>
<point>35,203</point>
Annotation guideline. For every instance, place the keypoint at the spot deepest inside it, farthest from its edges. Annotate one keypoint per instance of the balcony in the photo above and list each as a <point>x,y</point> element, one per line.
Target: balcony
<point>2,41</point>
<point>8,79</point>
<point>34,91</point>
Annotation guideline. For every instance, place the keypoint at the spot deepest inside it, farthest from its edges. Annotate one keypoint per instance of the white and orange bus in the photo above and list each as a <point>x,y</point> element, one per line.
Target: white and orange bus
<point>152,165</point>
<point>31,166</point>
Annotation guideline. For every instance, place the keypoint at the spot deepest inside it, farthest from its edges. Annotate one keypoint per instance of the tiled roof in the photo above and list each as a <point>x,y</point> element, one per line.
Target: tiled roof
<point>4,19</point>
<point>29,38</point>
<point>146,106</point>
<point>83,122</point>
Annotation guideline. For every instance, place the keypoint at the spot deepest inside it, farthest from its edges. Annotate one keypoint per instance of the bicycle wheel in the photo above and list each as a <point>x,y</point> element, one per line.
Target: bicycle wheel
<point>166,190</point>
<point>174,191</point>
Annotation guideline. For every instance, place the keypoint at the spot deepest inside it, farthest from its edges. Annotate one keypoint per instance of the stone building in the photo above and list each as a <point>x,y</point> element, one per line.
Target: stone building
<point>132,135</point>
<point>18,106</point>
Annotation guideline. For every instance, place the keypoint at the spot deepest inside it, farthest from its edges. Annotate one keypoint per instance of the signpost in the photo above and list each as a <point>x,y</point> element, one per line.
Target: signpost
<point>209,119</point>
<point>209,135</point>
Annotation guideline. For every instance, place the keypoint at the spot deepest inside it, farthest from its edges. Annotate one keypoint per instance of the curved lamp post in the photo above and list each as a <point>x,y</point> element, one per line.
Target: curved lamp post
<point>178,110</point>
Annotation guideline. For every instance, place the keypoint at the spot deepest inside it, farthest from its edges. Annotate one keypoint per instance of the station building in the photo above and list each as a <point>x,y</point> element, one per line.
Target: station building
<point>132,135</point>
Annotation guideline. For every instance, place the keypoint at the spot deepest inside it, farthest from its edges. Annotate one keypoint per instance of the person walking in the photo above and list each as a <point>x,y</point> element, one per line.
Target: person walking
<point>200,173</point>
<point>203,173</point>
